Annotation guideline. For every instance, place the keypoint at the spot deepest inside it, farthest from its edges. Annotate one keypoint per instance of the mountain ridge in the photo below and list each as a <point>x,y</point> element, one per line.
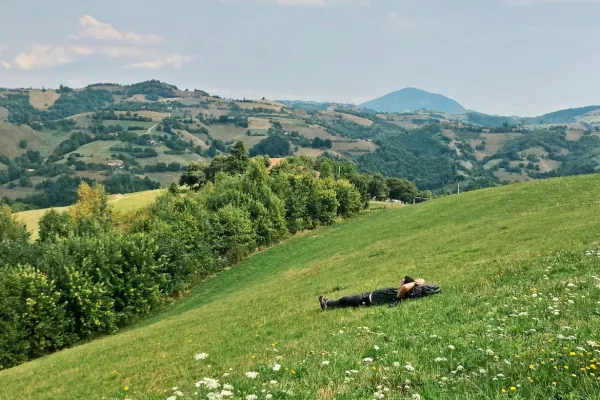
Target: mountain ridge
<point>411,99</point>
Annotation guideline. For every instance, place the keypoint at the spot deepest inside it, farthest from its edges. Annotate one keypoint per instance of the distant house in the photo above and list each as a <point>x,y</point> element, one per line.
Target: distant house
<point>116,163</point>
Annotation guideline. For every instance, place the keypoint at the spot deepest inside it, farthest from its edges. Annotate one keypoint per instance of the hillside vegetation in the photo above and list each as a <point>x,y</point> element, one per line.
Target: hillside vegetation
<point>517,317</point>
<point>142,136</point>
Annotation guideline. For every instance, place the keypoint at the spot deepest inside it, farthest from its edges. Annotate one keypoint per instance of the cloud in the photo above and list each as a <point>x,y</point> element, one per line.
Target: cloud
<point>91,28</point>
<point>398,23</point>
<point>41,56</point>
<point>174,60</point>
<point>310,3</point>
<point>94,29</point>
<point>3,47</point>
<point>4,64</point>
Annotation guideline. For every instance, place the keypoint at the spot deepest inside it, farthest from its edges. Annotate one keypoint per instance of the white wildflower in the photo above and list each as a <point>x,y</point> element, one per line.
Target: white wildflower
<point>440,359</point>
<point>175,388</point>
<point>172,398</point>
<point>490,352</point>
<point>276,367</point>
<point>251,397</point>
<point>409,368</point>
<point>591,343</point>
<point>325,362</point>
<point>201,356</point>
<point>226,374</point>
<point>451,347</point>
<point>269,396</point>
<point>416,396</point>
<point>252,374</point>
<point>209,383</point>
<point>460,368</point>
<point>227,386</point>
<point>226,393</point>
<point>367,359</point>
<point>396,364</point>
<point>178,393</point>
<point>376,347</point>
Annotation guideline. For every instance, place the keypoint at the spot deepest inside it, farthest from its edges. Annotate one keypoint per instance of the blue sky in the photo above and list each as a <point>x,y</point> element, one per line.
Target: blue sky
<point>517,57</point>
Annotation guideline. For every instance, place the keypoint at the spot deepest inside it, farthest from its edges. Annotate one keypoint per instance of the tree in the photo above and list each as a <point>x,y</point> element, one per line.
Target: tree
<point>55,225</point>
<point>91,211</point>
<point>10,229</point>
<point>273,146</point>
<point>378,187</point>
<point>239,158</point>
<point>402,189</point>
<point>23,144</point>
<point>194,176</point>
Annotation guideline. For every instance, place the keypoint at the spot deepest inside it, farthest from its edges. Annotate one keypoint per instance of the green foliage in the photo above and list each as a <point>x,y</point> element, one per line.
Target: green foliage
<point>23,144</point>
<point>378,187</point>
<point>10,229</point>
<point>417,155</point>
<point>152,89</point>
<point>402,189</point>
<point>489,120</point>
<point>55,225</point>
<point>273,146</point>
<point>33,320</point>
<point>194,175</point>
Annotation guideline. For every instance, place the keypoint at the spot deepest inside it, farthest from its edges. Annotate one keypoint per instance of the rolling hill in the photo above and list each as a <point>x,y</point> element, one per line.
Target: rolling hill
<point>412,99</point>
<point>517,317</point>
<point>138,137</point>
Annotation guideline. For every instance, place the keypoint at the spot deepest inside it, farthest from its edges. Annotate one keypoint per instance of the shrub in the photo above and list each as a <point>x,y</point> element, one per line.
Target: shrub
<point>32,317</point>
<point>54,225</point>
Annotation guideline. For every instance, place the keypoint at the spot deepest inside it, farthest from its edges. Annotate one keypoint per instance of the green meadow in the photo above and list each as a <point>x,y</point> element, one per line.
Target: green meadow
<point>517,318</point>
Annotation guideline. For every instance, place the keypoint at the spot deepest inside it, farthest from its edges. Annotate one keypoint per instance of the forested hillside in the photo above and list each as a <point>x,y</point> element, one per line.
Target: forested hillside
<point>142,136</point>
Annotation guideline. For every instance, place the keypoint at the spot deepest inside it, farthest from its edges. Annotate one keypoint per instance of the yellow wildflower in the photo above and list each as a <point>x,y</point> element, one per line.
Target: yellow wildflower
<point>572,353</point>
<point>566,367</point>
<point>126,388</point>
<point>531,366</point>
<point>374,368</point>
<point>503,390</point>
<point>513,388</point>
<point>293,372</point>
<point>554,383</point>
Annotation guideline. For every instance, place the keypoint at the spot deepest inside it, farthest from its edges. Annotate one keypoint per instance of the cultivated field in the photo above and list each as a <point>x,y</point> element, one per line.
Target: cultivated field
<point>121,203</point>
<point>517,317</point>
<point>43,100</point>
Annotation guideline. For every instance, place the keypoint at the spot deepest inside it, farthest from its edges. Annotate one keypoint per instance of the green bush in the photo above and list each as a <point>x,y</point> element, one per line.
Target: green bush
<point>54,225</point>
<point>32,316</point>
<point>95,275</point>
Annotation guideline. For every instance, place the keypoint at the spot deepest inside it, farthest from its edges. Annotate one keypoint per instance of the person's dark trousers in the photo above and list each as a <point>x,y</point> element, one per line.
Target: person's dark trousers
<point>350,301</point>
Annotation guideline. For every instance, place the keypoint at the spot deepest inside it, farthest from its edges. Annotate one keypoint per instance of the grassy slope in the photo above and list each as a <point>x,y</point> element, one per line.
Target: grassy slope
<point>489,250</point>
<point>120,202</point>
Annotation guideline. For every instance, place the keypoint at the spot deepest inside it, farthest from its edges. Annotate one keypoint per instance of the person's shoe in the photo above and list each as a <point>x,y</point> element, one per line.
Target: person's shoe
<point>323,302</point>
<point>408,279</point>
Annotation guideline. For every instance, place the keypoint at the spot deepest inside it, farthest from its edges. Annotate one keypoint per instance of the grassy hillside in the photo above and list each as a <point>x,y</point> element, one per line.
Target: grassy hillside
<point>515,320</point>
<point>120,202</point>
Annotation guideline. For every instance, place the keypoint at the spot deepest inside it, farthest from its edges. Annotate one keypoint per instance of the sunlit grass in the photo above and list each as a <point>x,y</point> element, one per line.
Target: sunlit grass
<point>518,299</point>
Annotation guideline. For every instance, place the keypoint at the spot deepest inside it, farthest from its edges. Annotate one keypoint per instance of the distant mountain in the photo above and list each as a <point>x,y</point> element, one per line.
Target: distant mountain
<point>411,99</point>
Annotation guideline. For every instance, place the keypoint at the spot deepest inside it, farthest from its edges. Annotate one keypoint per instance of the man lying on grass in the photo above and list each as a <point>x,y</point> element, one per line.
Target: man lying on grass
<point>409,288</point>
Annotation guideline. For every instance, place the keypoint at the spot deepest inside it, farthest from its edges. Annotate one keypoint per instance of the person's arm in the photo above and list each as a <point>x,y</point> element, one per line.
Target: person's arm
<point>406,288</point>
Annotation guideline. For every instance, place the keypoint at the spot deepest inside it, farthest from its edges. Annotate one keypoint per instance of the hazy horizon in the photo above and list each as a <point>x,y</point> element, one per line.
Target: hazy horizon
<point>506,57</point>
